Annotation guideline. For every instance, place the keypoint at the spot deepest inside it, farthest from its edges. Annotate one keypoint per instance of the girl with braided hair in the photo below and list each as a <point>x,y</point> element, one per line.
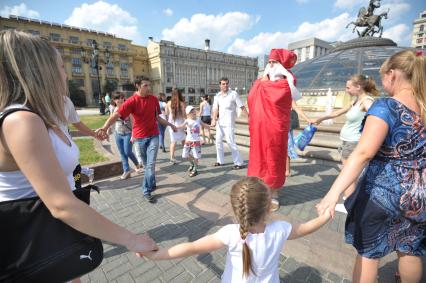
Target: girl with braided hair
<point>254,245</point>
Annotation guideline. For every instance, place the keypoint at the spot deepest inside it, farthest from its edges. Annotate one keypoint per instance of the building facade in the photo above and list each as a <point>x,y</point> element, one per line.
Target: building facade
<point>262,61</point>
<point>197,72</point>
<point>309,48</point>
<point>418,39</point>
<point>119,60</point>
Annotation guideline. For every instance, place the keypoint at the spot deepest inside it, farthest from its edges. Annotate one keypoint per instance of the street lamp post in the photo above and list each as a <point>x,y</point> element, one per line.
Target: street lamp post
<point>95,65</point>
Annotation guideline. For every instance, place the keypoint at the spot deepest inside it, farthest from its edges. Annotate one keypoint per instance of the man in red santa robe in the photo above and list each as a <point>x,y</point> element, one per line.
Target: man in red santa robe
<point>269,103</point>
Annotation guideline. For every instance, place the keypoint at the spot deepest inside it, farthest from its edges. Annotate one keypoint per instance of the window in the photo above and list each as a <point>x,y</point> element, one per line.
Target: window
<point>55,37</point>
<point>191,90</point>
<point>107,44</point>
<point>123,70</point>
<point>110,69</point>
<point>73,39</point>
<point>33,32</point>
<point>419,40</point>
<point>421,27</point>
<point>169,89</point>
<point>76,65</point>
<point>89,42</point>
<point>122,47</point>
<point>76,51</point>
<point>420,35</point>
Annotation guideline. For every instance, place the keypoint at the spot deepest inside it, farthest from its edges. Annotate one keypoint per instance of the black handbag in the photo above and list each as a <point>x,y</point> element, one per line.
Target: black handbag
<point>36,247</point>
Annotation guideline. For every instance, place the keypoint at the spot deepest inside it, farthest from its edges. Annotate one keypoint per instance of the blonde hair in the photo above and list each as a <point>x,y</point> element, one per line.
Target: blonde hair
<point>30,75</point>
<point>367,84</point>
<point>413,65</point>
<point>250,200</point>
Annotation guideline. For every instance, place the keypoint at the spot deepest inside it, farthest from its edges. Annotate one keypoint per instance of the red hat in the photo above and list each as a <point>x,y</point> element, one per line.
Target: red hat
<point>286,57</point>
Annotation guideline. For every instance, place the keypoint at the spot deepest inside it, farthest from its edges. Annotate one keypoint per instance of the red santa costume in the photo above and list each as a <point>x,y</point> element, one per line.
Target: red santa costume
<point>269,103</point>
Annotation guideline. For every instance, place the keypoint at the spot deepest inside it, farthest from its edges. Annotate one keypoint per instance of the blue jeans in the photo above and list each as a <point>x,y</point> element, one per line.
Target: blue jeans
<point>125,149</point>
<point>146,149</point>
<point>162,129</point>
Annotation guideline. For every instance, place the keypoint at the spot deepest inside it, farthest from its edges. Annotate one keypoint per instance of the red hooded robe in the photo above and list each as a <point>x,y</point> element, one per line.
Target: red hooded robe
<point>269,104</point>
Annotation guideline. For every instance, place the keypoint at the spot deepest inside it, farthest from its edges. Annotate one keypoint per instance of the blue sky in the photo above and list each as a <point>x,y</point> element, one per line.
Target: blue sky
<point>240,27</point>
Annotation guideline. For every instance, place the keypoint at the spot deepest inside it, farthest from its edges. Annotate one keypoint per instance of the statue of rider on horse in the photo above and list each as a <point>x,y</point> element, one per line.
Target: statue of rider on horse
<point>367,19</point>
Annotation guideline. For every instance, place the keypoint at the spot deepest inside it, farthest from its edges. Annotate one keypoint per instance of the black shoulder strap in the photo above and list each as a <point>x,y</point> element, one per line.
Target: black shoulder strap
<point>5,113</point>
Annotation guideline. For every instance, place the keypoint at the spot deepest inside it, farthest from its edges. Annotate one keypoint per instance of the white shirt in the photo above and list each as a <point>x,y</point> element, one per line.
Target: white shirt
<point>227,105</point>
<point>265,252</point>
<point>14,185</point>
<point>193,130</point>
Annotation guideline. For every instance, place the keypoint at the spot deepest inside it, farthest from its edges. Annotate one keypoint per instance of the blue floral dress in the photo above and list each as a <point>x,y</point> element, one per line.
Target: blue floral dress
<point>387,212</point>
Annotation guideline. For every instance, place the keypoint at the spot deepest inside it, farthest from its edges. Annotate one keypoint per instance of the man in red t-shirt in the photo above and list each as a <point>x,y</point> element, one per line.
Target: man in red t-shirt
<point>145,109</point>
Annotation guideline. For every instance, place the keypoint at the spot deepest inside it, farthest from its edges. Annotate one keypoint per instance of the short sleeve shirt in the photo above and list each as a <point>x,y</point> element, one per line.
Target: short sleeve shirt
<point>265,252</point>
<point>145,111</point>
<point>227,105</point>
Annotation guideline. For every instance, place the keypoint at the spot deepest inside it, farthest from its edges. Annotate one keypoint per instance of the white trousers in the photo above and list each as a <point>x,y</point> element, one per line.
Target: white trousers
<point>228,133</point>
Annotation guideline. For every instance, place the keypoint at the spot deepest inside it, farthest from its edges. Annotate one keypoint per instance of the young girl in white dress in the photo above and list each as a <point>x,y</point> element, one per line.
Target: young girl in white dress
<point>254,245</point>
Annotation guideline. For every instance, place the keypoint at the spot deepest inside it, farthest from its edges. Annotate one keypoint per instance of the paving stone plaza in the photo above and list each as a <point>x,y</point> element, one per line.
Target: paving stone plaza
<point>189,208</point>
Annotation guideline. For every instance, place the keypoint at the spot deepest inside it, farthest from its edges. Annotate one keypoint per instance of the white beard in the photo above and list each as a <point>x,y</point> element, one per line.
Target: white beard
<point>278,72</point>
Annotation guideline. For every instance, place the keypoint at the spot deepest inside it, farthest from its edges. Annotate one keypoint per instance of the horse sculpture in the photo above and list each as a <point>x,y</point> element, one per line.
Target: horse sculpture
<point>372,23</point>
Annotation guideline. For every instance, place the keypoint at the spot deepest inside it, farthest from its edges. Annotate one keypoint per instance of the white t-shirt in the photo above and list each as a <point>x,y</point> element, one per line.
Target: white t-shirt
<point>265,252</point>
<point>227,105</point>
<point>193,130</point>
<point>14,185</point>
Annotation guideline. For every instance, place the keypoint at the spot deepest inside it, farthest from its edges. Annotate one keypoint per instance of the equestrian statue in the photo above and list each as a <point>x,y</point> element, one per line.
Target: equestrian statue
<point>367,19</point>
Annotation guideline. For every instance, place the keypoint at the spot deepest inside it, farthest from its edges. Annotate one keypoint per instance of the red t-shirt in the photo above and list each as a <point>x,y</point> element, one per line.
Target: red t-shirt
<point>145,111</point>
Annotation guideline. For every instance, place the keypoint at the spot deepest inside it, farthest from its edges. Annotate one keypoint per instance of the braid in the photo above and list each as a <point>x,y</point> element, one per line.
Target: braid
<point>244,227</point>
<point>250,201</point>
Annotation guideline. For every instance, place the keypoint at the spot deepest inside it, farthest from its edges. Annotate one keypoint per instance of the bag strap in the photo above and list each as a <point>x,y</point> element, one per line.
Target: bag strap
<point>9,111</point>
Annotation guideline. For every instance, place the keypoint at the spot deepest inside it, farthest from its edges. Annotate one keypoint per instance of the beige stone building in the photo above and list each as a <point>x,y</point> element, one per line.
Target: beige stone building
<point>418,39</point>
<point>125,60</point>
<point>196,71</point>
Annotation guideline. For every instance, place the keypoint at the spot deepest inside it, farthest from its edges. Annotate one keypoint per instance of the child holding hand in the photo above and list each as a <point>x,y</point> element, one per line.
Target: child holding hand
<point>192,145</point>
<point>254,246</point>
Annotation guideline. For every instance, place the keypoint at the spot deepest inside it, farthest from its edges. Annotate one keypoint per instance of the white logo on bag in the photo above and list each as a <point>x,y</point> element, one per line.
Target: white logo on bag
<point>86,256</point>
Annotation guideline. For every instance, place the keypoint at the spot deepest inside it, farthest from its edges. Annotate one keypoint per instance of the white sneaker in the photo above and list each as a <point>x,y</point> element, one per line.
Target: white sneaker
<point>340,208</point>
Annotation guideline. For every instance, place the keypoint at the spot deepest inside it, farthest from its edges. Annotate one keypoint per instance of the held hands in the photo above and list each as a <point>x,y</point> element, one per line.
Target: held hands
<point>101,134</point>
<point>141,244</point>
<point>327,204</point>
<point>213,123</point>
<point>174,128</point>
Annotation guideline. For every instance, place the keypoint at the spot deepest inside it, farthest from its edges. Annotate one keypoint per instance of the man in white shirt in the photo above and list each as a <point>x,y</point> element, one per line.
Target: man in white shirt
<point>225,104</point>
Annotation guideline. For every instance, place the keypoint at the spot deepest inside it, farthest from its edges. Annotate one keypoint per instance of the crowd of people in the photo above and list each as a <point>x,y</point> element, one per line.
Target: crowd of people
<point>383,155</point>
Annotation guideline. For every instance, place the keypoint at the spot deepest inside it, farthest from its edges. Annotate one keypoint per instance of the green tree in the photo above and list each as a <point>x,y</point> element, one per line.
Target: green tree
<point>77,95</point>
<point>110,86</point>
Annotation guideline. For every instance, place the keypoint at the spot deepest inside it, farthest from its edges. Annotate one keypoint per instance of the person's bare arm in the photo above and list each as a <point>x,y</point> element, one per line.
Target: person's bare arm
<point>204,245</point>
<point>372,137</point>
<point>333,114</point>
<point>33,153</point>
<point>103,132</point>
<point>300,112</point>
<point>303,229</point>
<point>244,110</point>
<point>84,129</point>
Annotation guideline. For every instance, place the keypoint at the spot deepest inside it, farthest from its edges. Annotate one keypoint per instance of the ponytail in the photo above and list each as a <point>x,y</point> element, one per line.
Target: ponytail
<point>367,84</point>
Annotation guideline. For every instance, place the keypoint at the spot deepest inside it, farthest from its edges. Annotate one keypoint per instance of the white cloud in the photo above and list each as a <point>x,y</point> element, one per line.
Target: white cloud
<point>102,16</point>
<point>19,10</point>
<point>218,28</point>
<point>168,12</point>
<point>397,10</point>
<point>349,4</point>
<point>399,33</point>
<point>328,29</point>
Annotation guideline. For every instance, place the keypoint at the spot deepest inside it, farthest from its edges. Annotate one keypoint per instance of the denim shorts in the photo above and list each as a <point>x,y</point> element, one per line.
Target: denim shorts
<point>346,148</point>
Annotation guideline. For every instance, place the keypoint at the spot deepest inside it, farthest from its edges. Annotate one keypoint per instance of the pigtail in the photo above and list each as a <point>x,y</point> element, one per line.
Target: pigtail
<point>244,226</point>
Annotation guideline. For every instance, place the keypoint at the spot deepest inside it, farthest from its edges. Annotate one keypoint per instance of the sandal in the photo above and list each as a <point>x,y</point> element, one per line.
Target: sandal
<point>193,173</point>
<point>217,164</point>
<point>275,204</point>
<point>237,167</point>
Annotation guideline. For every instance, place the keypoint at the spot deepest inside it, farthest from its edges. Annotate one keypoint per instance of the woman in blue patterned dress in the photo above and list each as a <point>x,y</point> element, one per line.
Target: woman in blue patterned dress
<point>387,212</point>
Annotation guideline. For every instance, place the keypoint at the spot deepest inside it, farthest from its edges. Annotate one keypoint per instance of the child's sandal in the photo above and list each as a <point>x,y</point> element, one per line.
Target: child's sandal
<point>193,173</point>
